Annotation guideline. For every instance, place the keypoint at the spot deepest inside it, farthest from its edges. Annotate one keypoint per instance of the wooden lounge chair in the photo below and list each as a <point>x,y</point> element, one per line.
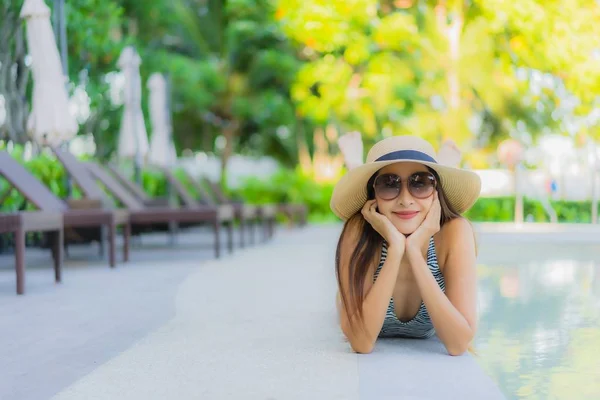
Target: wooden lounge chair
<point>246,214</point>
<point>226,212</point>
<point>87,174</point>
<point>268,212</point>
<point>136,190</point>
<point>140,214</point>
<point>19,224</point>
<point>74,216</point>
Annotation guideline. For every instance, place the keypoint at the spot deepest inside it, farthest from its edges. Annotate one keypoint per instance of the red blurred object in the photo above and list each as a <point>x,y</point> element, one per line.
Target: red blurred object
<point>510,152</point>
<point>403,3</point>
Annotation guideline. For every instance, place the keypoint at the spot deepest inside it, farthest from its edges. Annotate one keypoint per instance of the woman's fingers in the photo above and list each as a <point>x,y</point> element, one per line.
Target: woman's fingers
<point>370,214</point>
<point>366,209</point>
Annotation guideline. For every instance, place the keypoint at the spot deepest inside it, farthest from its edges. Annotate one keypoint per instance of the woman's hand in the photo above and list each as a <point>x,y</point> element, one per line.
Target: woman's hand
<point>383,225</point>
<point>430,226</point>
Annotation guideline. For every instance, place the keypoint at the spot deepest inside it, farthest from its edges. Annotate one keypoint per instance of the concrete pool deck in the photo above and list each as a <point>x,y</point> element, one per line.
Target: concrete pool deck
<point>258,324</point>
<point>535,232</point>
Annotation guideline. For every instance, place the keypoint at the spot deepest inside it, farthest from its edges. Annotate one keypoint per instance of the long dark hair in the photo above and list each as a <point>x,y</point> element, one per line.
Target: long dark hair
<point>368,248</point>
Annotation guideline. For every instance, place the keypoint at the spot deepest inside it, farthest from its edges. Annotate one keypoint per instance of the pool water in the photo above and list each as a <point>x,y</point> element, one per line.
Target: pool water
<point>539,320</point>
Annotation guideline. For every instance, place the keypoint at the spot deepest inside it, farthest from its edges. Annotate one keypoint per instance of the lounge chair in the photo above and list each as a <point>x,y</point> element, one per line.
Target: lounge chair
<point>136,190</point>
<point>19,224</point>
<point>140,214</point>
<point>225,211</point>
<point>246,214</point>
<point>74,212</point>
<point>266,211</point>
<point>87,174</point>
<point>229,211</point>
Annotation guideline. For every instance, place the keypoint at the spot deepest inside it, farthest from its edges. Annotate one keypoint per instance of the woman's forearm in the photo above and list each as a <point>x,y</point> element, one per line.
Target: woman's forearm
<point>450,325</point>
<point>375,305</point>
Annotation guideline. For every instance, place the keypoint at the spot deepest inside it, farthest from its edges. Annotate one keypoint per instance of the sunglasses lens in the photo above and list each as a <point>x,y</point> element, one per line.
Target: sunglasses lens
<point>421,184</point>
<point>387,186</point>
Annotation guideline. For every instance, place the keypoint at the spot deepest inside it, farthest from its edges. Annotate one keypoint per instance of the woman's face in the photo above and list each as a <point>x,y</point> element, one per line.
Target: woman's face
<point>405,211</point>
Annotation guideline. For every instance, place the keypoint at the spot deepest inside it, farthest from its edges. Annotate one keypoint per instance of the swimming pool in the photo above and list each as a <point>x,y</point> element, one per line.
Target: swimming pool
<point>539,319</point>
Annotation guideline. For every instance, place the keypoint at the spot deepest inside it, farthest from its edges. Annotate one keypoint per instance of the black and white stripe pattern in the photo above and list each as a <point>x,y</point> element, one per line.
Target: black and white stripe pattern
<point>420,326</point>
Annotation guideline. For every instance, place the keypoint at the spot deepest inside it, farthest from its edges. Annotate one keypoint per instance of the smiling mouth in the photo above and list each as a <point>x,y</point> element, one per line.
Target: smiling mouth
<point>406,215</point>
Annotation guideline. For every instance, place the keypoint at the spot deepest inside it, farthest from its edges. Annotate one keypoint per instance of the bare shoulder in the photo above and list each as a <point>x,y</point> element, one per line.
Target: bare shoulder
<point>457,226</point>
<point>457,234</point>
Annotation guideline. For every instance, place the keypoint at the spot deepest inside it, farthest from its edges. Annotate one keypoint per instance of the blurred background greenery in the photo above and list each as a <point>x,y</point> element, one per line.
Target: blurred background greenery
<point>285,78</point>
<point>293,186</point>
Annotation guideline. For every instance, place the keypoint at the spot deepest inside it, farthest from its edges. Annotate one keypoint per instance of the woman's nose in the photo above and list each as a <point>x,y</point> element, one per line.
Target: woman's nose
<point>405,198</point>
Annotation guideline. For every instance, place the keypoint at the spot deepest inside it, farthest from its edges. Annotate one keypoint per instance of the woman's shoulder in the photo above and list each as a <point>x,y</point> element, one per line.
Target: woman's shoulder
<point>450,236</point>
<point>459,225</point>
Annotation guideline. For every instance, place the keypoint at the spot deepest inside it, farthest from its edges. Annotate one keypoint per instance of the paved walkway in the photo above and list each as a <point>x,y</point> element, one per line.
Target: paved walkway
<point>260,324</point>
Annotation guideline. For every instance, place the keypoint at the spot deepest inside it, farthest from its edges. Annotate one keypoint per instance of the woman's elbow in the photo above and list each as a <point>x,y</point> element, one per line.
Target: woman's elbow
<point>456,353</point>
<point>359,344</point>
<point>458,347</point>
<point>457,350</point>
<point>363,347</point>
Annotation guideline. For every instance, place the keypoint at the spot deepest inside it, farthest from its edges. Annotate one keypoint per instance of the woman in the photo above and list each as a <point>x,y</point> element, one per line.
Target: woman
<point>406,258</point>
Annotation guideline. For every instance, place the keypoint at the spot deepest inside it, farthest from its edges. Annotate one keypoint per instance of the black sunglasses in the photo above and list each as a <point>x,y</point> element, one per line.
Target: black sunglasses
<point>420,185</point>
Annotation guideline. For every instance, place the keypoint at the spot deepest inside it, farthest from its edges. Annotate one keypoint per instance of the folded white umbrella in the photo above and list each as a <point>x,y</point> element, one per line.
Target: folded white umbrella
<point>449,154</point>
<point>351,146</point>
<point>50,121</point>
<point>162,151</point>
<point>132,136</point>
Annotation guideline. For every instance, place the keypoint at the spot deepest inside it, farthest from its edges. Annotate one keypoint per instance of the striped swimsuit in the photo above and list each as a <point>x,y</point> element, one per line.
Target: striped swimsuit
<point>420,326</point>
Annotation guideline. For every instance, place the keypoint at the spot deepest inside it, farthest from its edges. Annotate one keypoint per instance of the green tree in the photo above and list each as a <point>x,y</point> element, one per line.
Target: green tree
<point>231,70</point>
<point>94,40</point>
<point>362,70</point>
<point>14,73</point>
<point>460,69</point>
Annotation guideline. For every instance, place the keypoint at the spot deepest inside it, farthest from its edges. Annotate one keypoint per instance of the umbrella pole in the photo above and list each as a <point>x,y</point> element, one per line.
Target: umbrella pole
<point>594,183</point>
<point>137,171</point>
<point>60,32</point>
<point>518,194</point>
<point>137,156</point>
<point>169,123</point>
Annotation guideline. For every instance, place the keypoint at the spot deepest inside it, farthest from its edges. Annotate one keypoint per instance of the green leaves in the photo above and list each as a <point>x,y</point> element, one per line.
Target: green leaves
<point>198,83</point>
<point>397,31</point>
<point>291,186</point>
<point>560,37</point>
<point>432,68</point>
<point>272,68</point>
<point>94,35</point>
<point>326,26</point>
<point>272,109</point>
<point>436,69</point>
<point>360,67</point>
<point>247,9</point>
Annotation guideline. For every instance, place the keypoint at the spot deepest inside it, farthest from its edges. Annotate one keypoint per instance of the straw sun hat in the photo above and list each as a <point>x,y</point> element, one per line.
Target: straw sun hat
<point>461,187</point>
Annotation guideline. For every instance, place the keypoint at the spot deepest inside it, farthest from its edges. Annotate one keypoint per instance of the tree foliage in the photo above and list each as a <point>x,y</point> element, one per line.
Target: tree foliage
<point>258,76</point>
